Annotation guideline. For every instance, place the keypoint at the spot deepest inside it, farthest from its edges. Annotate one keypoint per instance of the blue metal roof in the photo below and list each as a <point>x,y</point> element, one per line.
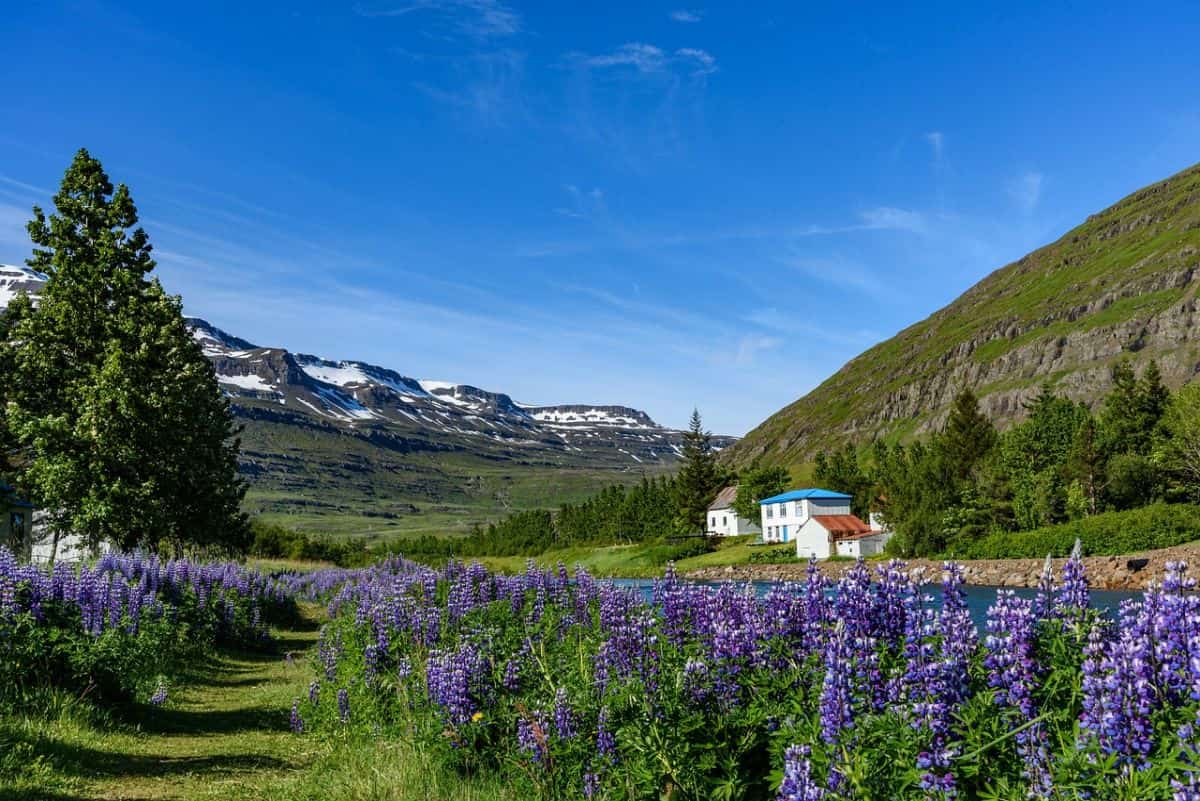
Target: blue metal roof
<point>806,494</point>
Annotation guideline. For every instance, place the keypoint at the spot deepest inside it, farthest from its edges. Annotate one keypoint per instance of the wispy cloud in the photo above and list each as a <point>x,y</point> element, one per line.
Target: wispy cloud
<point>1026,190</point>
<point>648,58</point>
<point>937,142</point>
<point>705,63</point>
<point>801,326</point>
<point>479,19</point>
<point>489,87</point>
<point>642,57</point>
<point>840,272</point>
<point>583,204</point>
<point>13,235</point>
<point>751,345</point>
<point>686,15</point>
<point>893,219</point>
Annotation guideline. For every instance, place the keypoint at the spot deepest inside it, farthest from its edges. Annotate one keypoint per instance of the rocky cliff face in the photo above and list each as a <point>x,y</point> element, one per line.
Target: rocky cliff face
<point>1122,285</point>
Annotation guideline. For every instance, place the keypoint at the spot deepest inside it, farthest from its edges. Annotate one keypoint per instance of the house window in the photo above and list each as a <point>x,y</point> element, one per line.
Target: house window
<point>783,510</point>
<point>713,524</point>
<point>770,510</point>
<point>725,521</point>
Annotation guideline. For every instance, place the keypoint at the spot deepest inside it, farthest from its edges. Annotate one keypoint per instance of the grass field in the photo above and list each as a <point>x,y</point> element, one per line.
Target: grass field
<point>628,561</point>
<point>222,735</point>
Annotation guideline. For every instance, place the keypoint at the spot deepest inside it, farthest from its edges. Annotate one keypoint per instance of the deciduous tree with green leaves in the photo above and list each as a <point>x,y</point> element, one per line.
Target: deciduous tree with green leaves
<point>124,434</point>
<point>758,483</point>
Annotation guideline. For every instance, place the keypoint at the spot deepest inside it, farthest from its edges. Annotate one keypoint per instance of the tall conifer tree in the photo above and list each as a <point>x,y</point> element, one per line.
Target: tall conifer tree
<point>124,433</point>
<point>699,478</point>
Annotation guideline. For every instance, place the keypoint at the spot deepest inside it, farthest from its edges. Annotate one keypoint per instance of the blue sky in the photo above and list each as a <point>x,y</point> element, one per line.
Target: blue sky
<point>658,204</point>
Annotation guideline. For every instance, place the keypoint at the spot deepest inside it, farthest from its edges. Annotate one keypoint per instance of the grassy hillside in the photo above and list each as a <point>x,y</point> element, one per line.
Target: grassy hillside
<point>1122,284</point>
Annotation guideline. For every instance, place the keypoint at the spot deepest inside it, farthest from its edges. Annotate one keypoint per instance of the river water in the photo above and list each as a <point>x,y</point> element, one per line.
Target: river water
<point>978,598</point>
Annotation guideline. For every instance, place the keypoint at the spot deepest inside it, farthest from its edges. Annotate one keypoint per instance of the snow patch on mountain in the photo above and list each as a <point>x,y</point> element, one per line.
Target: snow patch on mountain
<point>15,279</point>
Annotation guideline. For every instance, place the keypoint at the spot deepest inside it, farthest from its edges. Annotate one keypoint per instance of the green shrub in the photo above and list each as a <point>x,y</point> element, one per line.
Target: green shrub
<point>773,556</point>
<point>1109,534</point>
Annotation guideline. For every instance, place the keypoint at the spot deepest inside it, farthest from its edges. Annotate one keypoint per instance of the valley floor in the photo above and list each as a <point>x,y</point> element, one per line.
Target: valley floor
<point>223,735</point>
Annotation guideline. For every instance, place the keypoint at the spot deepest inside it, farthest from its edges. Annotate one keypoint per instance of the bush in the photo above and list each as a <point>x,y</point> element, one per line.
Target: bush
<point>272,541</point>
<point>1109,534</point>
<point>773,556</point>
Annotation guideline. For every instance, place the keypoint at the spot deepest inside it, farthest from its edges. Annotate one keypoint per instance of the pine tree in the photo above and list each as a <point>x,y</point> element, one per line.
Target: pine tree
<point>125,433</point>
<point>969,435</point>
<point>1085,463</point>
<point>698,479</point>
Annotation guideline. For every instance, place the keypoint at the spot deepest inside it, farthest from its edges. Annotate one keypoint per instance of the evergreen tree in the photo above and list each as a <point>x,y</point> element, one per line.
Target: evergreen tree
<point>969,435</point>
<point>699,479</point>
<point>1085,464</point>
<point>126,436</point>
<point>1132,410</point>
<point>1177,448</point>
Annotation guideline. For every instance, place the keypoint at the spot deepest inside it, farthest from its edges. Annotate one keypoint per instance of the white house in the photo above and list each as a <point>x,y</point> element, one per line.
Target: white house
<point>724,521</point>
<point>820,523</point>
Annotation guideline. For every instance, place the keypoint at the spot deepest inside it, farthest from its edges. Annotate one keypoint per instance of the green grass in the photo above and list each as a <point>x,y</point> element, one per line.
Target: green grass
<point>222,735</point>
<point>628,561</point>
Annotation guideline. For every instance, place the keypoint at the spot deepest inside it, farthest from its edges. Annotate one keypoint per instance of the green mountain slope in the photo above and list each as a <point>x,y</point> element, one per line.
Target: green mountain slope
<point>1121,285</point>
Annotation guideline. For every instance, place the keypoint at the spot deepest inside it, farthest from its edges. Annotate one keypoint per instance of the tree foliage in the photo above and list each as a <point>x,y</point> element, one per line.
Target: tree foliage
<point>699,478</point>
<point>758,483</point>
<point>122,432</point>
<point>1060,463</point>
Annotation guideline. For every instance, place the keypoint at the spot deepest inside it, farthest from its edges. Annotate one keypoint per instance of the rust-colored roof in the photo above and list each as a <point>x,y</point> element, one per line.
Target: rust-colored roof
<point>844,527</point>
<point>724,499</point>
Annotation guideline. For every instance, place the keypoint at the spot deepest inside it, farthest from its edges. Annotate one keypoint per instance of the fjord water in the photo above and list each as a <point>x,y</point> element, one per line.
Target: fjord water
<point>978,598</point>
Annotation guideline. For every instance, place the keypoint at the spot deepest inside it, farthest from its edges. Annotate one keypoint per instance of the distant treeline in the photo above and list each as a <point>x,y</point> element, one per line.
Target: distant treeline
<point>643,512</point>
<point>271,541</point>
<point>969,484</point>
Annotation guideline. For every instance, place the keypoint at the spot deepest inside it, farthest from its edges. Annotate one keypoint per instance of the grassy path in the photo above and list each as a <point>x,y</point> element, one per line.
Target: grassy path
<point>224,734</point>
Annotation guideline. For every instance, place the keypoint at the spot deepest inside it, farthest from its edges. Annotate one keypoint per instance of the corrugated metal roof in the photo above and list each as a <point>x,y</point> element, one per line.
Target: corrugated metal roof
<point>724,499</point>
<point>844,527</point>
<point>806,494</point>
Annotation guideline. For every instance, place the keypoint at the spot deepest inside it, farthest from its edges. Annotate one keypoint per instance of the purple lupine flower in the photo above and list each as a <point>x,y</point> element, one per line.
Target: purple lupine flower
<point>798,784</point>
<point>606,743</point>
<point>837,701</point>
<point>1073,597</point>
<point>564,718</point>
<point>160,695</point>
<point>1013,672</point>
<point>531,736</point>
<point>458,682</point>
<point>1187,788</point>
<point>297,722</point>
<point>343,702</point>
<point>591,785</point>
<point>314,691</point>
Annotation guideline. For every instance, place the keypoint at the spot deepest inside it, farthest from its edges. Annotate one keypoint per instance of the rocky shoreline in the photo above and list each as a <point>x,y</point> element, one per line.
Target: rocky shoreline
<point>1129,572</point>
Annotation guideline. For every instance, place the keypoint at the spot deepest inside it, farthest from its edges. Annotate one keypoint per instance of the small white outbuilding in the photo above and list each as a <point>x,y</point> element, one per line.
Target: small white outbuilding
<point>723,521</point>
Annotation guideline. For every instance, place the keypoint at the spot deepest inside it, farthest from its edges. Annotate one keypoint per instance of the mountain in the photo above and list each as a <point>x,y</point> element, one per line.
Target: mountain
<point>357,395</point>
<point>1121,285</point>
<point>351,446</point>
